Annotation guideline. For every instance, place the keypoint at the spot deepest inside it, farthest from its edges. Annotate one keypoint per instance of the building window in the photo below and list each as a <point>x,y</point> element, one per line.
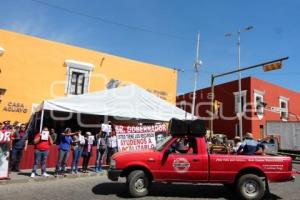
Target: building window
<point>77,83</point>
<point>243,101</point>
<point>259,102</point>
<point>283,104</point>
<point>78,77</point>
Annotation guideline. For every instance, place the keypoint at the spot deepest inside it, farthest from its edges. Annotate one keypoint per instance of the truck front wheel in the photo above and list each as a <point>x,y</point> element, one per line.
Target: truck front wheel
<point>138,183</point>
<point>251,186</point>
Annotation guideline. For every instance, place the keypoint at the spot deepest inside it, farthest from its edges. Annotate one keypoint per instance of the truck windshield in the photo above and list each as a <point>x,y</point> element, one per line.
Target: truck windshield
<point>161,145</point>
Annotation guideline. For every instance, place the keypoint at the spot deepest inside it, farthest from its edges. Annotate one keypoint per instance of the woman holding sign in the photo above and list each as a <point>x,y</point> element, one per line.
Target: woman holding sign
<point>77,147</point>
<point>42,143</point>
<point>101,147</point>
<point>64,149</point>
<point>87,151</point>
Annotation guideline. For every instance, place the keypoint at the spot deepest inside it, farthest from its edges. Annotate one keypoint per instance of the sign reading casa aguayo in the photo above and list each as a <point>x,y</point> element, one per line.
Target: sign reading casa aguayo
<point>15,107</point>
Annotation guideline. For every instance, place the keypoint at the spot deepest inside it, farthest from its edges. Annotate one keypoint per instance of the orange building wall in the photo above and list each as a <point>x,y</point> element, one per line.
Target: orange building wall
<point>32,69</point>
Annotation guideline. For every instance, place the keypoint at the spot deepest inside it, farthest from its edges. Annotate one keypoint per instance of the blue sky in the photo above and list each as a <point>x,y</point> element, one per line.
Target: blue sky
<point>164,32</point>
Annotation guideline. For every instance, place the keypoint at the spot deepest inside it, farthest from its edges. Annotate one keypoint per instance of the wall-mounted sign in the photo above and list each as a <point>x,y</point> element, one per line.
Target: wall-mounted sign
<point>15,107</point>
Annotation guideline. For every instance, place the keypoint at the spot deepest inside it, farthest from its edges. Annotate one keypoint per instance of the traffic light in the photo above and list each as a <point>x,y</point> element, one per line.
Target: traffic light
<point>272,66</point>
<point>217,105</point>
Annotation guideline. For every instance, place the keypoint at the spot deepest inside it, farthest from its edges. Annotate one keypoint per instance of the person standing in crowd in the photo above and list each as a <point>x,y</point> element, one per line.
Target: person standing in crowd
<point>78,142</point>
<point>64,148</point>
<point>101,147</point>
<point>87,151</point>
<point>53,135</point>
<point>250,146</point>
<point>6,124</point>
<point>19,139</point>
<point>42,142</point>
<point>112,146</point>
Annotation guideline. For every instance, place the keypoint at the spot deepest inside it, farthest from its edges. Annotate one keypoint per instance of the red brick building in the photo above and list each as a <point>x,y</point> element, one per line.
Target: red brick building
<point>281,105</point>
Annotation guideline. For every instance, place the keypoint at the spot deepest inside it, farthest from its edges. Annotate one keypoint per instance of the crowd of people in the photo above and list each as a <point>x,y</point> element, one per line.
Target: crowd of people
<point>249,146</point>
<point>76,143</point>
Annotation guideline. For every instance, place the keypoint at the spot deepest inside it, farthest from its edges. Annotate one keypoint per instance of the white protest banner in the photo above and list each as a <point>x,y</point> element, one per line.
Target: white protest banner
<point>4,154</point>
<point>136,138</point>
<point>45,135</point>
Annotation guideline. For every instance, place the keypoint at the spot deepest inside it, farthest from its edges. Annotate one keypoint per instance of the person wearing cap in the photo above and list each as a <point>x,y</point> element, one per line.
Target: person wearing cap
<point>87,151</point>
<point>64,149</point>
<point>19,141</point>
<point>250,146</point>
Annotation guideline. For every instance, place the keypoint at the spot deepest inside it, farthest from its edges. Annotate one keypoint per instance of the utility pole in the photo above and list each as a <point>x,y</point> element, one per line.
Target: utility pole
<point>239,111</point>
<point>196,67</point>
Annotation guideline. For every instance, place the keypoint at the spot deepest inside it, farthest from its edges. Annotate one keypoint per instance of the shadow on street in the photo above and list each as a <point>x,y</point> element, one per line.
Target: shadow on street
<point>173,190</point>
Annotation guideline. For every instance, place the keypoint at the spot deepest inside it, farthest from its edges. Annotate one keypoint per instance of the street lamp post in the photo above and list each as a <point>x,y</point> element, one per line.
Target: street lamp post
<point>267,66</point>
<point>239,114</point>
<point>197,66</point>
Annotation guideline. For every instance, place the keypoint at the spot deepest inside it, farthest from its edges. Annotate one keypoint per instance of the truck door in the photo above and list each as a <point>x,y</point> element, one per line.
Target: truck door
<point>184,162</point>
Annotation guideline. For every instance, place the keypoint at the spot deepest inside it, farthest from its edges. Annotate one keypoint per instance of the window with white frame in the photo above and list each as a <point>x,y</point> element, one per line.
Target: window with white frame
<point>259,102</point>
<point>78,77</point>
<point>283,104</point>
<point>237,99</point>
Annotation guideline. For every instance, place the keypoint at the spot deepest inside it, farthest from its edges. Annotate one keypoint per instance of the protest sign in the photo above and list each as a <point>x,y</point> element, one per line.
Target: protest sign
<point>4,154</point>
<point>91,139</point>
<point>106,128</point>
<point>45,135</point>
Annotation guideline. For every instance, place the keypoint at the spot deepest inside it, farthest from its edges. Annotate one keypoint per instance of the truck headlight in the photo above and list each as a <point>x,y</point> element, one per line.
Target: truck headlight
<point>112,164</point>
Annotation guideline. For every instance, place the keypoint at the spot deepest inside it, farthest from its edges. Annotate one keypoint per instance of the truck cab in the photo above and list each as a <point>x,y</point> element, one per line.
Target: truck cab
<point>184,156</point>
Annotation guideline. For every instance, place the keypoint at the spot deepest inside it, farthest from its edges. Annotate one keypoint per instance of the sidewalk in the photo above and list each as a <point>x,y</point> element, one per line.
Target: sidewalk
<point>24,176</point>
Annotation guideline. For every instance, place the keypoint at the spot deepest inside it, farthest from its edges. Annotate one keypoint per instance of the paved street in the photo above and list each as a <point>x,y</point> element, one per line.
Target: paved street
<point>99,187</point>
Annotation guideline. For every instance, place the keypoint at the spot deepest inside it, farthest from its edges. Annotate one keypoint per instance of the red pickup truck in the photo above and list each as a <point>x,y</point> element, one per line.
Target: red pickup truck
<point>186,158</point>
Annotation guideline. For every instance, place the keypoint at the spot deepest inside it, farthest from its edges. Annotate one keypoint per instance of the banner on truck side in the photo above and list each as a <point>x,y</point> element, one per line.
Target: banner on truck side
<point>137,138</point>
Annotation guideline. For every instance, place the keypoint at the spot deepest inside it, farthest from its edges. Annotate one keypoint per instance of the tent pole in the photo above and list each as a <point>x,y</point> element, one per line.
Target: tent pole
<point>42,120</point>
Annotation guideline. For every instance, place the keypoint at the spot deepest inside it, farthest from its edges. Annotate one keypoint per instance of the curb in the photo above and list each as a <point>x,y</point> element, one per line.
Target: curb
<point>51,178</point>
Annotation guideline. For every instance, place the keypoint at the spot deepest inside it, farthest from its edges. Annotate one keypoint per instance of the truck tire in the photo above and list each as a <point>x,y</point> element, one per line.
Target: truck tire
<point>250,186</point>
<point>138,183</point>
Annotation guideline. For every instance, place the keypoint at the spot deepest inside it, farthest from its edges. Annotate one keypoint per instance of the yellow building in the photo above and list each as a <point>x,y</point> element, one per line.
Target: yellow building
<point>34,69</point>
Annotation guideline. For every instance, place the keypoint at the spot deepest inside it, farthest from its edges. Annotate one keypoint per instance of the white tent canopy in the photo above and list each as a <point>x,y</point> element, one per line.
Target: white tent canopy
<point>131,102</point>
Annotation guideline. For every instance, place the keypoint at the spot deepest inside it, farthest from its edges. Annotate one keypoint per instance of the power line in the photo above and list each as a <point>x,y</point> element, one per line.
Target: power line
<point>135,28</point>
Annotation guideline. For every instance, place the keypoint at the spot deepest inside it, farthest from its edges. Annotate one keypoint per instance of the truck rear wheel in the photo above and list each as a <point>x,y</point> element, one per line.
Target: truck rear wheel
<point>138,183</point>
<point>250,187</point>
